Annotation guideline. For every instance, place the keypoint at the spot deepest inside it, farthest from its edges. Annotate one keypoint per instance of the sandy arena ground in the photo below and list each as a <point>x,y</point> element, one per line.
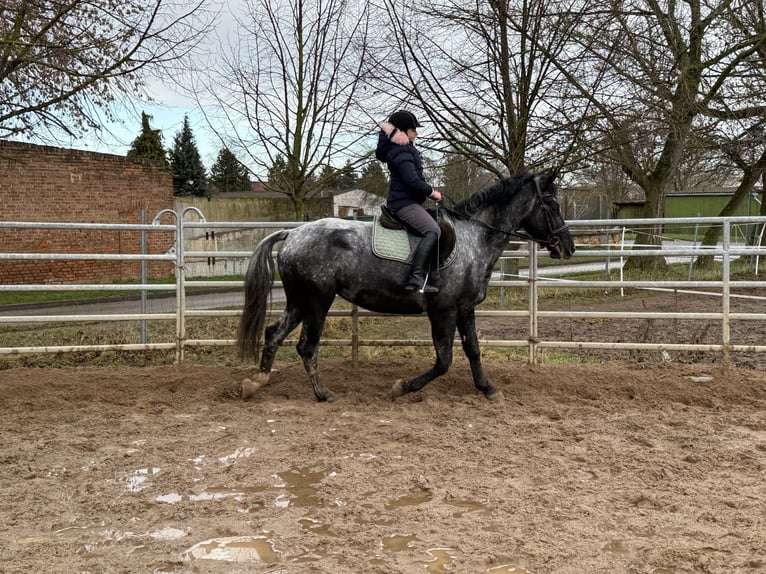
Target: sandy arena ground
<point>600,468</point>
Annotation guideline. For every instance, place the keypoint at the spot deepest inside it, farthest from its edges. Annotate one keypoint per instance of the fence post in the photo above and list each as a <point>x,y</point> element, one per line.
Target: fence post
<point>726,292</point>
<point>143,277</point>
<point>693,257</point>
<point>502,278</point>
<point>532,280</point>
<point>180,276</point>
<point>355,335</point>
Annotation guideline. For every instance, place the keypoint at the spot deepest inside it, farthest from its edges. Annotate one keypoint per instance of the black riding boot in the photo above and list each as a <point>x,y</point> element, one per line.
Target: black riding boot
<point>420,261</point>
<point>434,276</point>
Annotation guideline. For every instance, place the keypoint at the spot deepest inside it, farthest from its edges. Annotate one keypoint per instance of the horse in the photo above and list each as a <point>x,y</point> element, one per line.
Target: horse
<point>333,257</point>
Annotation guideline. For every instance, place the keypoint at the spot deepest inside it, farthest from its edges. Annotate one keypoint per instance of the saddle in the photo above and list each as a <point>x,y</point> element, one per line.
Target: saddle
<point>393,239</point>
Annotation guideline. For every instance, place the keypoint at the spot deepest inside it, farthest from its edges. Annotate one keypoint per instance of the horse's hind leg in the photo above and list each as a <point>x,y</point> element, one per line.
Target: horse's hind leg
<point>274,336</point>
<point>443,334</point>
<point>466,324</point>
<point>308,348</point>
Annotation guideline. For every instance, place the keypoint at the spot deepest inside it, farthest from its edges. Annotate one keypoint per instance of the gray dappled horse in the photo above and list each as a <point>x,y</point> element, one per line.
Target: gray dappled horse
<point>330,257</point>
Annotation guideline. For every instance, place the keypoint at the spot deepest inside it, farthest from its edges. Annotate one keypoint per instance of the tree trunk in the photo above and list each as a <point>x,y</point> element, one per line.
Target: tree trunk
<point>299,207</point>
<point>650,236</point>
<point>750,176</point>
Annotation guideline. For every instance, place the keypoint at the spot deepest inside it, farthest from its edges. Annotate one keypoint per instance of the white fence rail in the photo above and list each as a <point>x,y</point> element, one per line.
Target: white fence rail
<point>607,255</point>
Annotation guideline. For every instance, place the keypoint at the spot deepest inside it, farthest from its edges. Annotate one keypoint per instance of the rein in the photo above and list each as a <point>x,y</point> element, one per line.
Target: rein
<point>511,232</point>
<point>553,232</point>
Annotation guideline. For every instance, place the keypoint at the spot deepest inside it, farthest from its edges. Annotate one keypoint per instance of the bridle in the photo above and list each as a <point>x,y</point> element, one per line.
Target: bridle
<point>554,233</point>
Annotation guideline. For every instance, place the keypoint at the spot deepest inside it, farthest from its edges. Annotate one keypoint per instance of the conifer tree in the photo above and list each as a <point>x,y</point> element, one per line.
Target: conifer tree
<point>373,180</point>
<point>343,178</point>
<point>148,144</point>
<point>189,177</point>
<point>228,174</point>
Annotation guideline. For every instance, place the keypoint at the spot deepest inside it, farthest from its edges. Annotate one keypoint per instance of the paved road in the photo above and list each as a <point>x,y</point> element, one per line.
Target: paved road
<point>155,304</point>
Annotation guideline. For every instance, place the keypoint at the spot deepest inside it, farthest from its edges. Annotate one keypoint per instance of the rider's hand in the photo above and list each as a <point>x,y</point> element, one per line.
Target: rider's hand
<point>435,195</point>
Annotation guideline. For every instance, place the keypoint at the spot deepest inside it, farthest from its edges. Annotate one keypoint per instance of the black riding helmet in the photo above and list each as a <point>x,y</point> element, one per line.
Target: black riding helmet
<point>404,120</point>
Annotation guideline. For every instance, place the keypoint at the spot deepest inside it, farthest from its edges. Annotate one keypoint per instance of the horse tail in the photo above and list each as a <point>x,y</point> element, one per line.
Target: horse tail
<point>258,282</point>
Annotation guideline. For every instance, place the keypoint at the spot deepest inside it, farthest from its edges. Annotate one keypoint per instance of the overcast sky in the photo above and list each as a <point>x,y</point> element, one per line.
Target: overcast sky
<point>168,117</point>
<point>167,109</point>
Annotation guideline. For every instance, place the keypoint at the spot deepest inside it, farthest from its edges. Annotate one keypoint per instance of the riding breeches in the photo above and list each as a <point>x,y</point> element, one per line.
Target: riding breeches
<point>418,219</point>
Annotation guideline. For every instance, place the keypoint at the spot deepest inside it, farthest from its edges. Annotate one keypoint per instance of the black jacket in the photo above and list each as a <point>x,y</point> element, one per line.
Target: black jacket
<point>407,184</point>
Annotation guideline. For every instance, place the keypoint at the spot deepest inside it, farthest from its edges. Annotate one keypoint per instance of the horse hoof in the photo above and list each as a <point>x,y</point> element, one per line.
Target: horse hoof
<point>330,397</point>
<point>495,395</point>
<point>398,389</point>
<point>249,387</point>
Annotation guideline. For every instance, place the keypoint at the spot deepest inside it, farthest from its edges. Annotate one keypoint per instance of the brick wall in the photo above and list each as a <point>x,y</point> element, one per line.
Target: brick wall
<point>48,184</point>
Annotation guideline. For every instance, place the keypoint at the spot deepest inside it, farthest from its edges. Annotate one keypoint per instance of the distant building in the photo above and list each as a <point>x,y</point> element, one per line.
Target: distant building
<point>697,203</point>
<point>356,204</point>
<point>258,186</point>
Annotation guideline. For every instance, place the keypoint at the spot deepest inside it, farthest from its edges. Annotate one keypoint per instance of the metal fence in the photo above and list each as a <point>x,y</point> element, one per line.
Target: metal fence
<point>602,246</point>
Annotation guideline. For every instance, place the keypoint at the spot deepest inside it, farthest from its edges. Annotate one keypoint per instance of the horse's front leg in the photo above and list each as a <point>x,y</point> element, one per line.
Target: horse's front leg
<point>443,335</point>
<point>466,325</point>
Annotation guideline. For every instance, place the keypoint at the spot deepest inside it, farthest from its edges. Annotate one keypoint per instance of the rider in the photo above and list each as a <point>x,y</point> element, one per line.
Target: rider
<point>407,191</point>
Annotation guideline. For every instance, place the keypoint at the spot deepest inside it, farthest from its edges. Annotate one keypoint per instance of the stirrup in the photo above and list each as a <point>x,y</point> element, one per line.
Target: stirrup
<point>424,288</point>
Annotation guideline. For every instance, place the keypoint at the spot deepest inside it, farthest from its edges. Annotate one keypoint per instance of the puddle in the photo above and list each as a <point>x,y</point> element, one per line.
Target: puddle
<point>507,570</point>
<point>468,506</point>
<point>441,560</point>
<point>215,493</point>
<point>398,542</point>
<point>212,495</point>
<point>168,533</point>
<point>308,556</point>
<point>376,520</point>
<point>171,498</point>
<point>412,499</point>
<point>138,480</point>
<point>315,526</point>
<point>300,487</point>
<point>102,535</point>
<point>234,549</point>
<point>242,452</point>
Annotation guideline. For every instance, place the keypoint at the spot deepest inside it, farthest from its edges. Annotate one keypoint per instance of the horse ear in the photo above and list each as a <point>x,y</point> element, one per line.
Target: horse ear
<point>545,180</point>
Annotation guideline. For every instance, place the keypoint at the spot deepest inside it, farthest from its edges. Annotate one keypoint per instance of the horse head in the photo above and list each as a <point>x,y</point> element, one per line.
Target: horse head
<point>544,223</point>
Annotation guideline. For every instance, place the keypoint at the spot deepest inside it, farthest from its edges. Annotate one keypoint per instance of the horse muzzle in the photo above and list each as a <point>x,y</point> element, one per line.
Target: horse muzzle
<point>560,244</point>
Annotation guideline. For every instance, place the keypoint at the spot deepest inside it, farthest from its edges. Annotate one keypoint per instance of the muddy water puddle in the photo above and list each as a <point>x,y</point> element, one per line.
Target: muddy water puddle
<point>234,549</point>
<point>295,488</point>
<point>300,488</point>
<point>415,498</point>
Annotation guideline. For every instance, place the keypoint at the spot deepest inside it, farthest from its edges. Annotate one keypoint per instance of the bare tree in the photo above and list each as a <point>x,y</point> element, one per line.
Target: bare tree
<point>654,69</point>
<point>286,89</point>
<point>482,71</point>
<point>739,110</point>
<point>461,177</point>
<point>65,63</point>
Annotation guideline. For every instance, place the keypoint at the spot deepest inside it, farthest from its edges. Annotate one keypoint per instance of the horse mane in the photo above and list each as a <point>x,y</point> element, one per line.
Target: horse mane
<point>500,192</point>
